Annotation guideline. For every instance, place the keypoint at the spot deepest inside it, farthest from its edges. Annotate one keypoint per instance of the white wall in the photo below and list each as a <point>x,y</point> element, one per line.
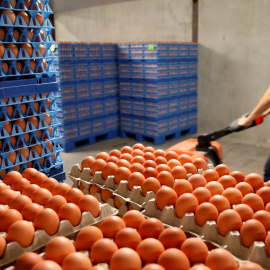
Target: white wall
<point>234,67</point>
<point>127,21</point>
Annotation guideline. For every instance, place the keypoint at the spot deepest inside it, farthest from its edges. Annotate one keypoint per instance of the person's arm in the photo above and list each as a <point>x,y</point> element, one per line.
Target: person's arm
<point>263,107</point>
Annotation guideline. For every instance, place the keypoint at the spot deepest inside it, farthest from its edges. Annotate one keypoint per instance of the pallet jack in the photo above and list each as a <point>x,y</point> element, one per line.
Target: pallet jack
<point>205,145</point>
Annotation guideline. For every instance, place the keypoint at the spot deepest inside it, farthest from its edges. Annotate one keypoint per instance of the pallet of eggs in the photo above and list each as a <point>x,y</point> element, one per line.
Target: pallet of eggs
<point>29,128</point>
<point>36,208</point>
<point>131,242</point>
<point>88,87</point>
<point>25,33</point>
<point>157,90</point>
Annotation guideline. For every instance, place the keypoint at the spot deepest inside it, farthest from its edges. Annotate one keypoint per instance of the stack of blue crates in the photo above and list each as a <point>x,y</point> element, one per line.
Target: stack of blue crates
<point>29,134</point>
<point>88,86</point>
<point>157,90</point>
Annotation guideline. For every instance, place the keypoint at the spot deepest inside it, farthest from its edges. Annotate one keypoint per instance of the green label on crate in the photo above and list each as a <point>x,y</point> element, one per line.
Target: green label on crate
<point>53,48</point>
<point>151,47</point>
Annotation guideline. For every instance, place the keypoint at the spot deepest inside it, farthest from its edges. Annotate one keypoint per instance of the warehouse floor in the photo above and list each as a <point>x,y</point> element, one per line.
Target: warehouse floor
<point>248,158</point>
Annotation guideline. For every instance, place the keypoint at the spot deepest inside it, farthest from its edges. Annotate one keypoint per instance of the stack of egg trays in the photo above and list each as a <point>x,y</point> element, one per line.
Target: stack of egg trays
<point>9,93</point>
<point>20,25</point>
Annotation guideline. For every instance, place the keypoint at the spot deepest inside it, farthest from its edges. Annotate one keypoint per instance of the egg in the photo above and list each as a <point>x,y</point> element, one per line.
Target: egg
<point>244,188</point>
<point>252,230</point>
<point>227,181</point>
<point>115,153</point>
<point>220,202</point>
<point>42,49</point>
<point>151,228</point>
<point>19,66</point>
<point>239,176</point>
<point>3,208</point>
<point>179,172</point>
<point>109,169</point>
<point>220,259</point>
<point>149,156</point>
<point>34,121</point>
<point>127,237</point>
<point>70,212</point>
<point>149,163</point>
<point>58,248</point>
<point>12,157</point>
<point>3,186</point>
<point>87,237</point>
<point>76,261</point>
<point>8,128</point>
<point>55,202</point>
<point>173,258</point>
<point>97,165</point>
<point>41,196</point>
<point>149,250</point>
<point>186,203</point>
<point>137,152</point>
<point>150,184</point>
<point>106,194</point>
<point>117,202</point>
<point>49,183</point>
<point>22,232</point>
<point>133,219</point>
<point>111,225</point>
<point>139,146</point>
<point>195,249</point>
<point>150,172</point>
<point>250,266</point>
<point>11,177</point>
<point>89,203</point>
<point>210,175</point>
<point>165,196</point>
<point>137,167</point>
<point>33,65</point>
<point>102,251</point>
<point>202,194</point>
<point>253,200</point>
<point>159,153</point>
<point>14,49</point>
<point>94,189</point>
<point>172,237</point>
<point>222,169</point>
<point>197,180</point>
<point>102,155</point>
<point>61,189</point>
<point>2,34</point>
<point>8,217</point>
<point>264,217</point>
<point>127,157</point>
<point>122,173</point>
<point>47,119</point>
<point>165,178</point>
<point>30,211</point>
<point>190,168</point>
<point>99,267</point>
<point>215,188</point>
<point>126,149</point>
<point>47,220</point>
<point>10,14</point>
<point>3,64</point>
<point>199,267</point>
<point>24,152</point>
<point>233,195</point>
<point>184,158</point>
<point>204,212</point>
<point>24,16</point>
<point>46,265</point>
<point>19,202</point>
<point>40,19</point>
<point>74,195</point>
<point>160,160</point>
<point>7,196</point>
<point>123,163</point>
<point>200,163</point>
<point>112,159</point>
<point>27,260</point>
<point>244,211</point>
<point>135,179</point>
<point>29,189</point>
<point>255,180</point>
<point>9,110</point>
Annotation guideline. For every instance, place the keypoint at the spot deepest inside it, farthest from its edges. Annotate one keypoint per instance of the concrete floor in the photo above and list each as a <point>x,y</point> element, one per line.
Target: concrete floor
<point>248,158</point>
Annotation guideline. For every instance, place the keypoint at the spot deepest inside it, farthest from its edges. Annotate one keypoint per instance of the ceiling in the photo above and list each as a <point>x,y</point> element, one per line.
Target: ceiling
<point>64,5</point>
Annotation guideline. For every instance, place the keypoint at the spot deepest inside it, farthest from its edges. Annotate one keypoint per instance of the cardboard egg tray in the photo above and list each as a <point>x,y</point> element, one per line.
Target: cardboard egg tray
<point>209,232</point>
<point>41,238</point>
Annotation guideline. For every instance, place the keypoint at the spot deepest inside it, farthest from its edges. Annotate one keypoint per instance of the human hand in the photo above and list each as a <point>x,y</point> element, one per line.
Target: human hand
<point>244,122</point>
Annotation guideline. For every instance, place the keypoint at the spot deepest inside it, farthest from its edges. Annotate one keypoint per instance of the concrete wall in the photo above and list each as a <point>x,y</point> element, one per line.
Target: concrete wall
<point>234,67</point>
<point>127,21</point>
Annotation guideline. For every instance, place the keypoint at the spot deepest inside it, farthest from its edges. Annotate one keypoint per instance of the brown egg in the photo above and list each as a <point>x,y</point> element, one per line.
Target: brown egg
<point>24,16</point>
<point>150,184</point>
<point>151,228</point>
<point>159,153</point>
<point>149,250</point>
<point>30,211</point>
<point>41,196</point>
<point>149,163</point>
<point>244,211</point>
<point>244,188</point>
<point>250,266</point>
<point>149,156</point>
<point>3,208</point>
<point>233,195</point>
<point>49,183</point>
<point>254,201</point>
<point>204,212</point>
<point>89,203</point>
<point>47,119</point>
<point>137,152</point>
<point>255,180</point>
<point>8,217</point>
<point>3,64</point>
<point>133,219</point>
<point>34,120</point>
<point>195,249</point>
<point>220,202</point>
<point>11,177</point>
<point>163,167</point>
<point>184,158</point>
<point>42,49</point>
<point>58,248</point>
<point>29,189</point>
<point>126,149</point>
<point>186,203</point>
<point>264,193</point>
<point>127,237</point>
<point>127,157</point>
<point>150,172</point>
<point>117,202</point>
<point>55,202</point>
<point>197,180</point>
<point>24,152</point>
<point>264,217</point>
<point>27,260</point>
<point>9,110</point>
<point>106,194</point>
<point>47,220</point>
<point>171,155</point>
<point>210,175</point>
<point>115,153</point>
<point>165,196</point>
<point>135,179</point>
<point>19,66</point>
<point>74,195</point>
<point>214,187</point>
<point>121,173</point>
<point>14,49</point>
<point>19,202</point>
<point>172,237</point>
<point>123,163</point>
<point>22,232</point>
<point>166,178</point>
<point>149,149</point>
<point>222,169</point>
<point>179,172</point>
<point>160,160</point>
<point>40,19</point>
<point>153,266</point>
<point>76,261</point>
<point>10,14</point>
<point>190,168</point>
<point>2,34</point>
<point>138,146</point>
<point>239,176</point>
<point>94,189</point>
<point>227,181</point>
<point>38,177</point>
<point>109,169</point>
<point>136,167</point>
<point>8,128</point>
<point>46,265</point>
<point>112,159</point>
<point>123,258</point>
<point>111,225</point>
<point>172,257</point>
<point>252,230</point>
<point>70,212</point>
<point>33,65</point>
<point>7,196</point>
<point>98,165</point>
<point>102,155</point>
<point>3,186</point>
<point>200,163</point>
<point>220,259</point>
<point>61,189</point>
<point>202,194</point>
